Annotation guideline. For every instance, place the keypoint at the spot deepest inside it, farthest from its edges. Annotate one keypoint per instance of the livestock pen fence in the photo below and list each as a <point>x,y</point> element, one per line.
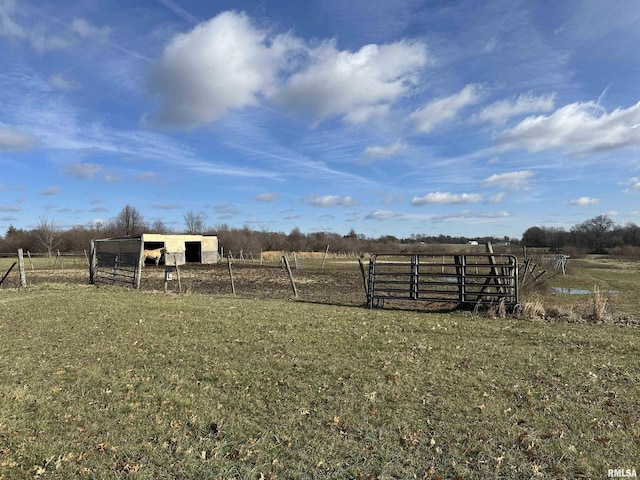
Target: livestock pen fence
<point>464,279</point>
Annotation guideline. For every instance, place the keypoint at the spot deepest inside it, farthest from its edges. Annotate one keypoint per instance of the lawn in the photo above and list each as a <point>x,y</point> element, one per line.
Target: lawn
<point>112,383</point>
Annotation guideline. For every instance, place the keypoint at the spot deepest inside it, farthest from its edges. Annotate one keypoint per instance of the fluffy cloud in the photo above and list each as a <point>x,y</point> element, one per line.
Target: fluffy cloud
<point>634,187</point>
<point>383,215</point>
<point>228,63</point>
<point>267,197</point>
<point>444,109</point>
<point>222,64</point>
<point>512,180</point>
<point>388,151</point>
<point>13,140</point>
<point>81,170</point>
<point>331,201</point>
<point>500,112</point>
<point>446,198</point>
<point>584,201</point>
<point>577,128</point>
<point>354,85</point>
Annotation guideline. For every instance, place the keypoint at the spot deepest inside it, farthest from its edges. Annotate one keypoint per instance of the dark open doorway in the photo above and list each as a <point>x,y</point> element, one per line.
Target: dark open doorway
<point>193,252</point>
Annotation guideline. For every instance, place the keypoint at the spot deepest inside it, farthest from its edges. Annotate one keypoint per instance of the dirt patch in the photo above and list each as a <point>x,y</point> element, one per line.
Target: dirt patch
<point>339,284</point>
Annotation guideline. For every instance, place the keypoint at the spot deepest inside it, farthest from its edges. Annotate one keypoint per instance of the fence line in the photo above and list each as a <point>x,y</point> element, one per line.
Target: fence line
<point>461,279</point>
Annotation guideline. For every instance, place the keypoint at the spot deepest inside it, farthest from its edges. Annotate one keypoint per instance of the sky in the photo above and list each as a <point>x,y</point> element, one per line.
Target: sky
<point>401,117</point>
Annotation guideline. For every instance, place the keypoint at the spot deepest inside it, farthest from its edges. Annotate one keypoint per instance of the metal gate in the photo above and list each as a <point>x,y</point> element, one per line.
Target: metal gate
<point>467,279</point>
<point>116,262</point>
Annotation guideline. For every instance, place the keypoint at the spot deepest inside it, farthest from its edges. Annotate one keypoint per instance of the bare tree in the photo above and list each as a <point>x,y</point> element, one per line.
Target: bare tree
<point>194,222</point>
<point>158,226</point>
<point>129,221</point>
<point>595,232</point>
<point>47,234</point>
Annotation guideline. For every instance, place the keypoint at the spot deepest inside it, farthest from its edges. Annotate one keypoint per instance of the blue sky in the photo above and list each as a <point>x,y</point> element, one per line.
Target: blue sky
<point>390,118</point>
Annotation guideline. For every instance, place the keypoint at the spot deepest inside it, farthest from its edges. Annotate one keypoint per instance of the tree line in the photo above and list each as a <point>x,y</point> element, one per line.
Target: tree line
<point>597,235</point>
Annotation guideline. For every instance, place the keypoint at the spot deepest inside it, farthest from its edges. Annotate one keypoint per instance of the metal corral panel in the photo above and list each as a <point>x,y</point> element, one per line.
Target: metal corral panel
<point>120,245</point>
<point>116,261</point>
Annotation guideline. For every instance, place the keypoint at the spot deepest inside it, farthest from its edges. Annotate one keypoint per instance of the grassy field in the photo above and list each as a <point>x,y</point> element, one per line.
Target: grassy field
<point>112,383</point>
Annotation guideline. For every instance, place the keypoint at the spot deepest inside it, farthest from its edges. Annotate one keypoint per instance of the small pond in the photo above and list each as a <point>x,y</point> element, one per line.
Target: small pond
<point>578,291</point>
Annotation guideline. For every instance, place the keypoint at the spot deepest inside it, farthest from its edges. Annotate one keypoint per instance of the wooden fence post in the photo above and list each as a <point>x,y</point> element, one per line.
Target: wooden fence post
<point>58,257</point>
<point>325,257</point>
<point>23,278</point>
<point>178,273</point>
<point>364,277</point>
<point>233,285</point>
<point>293,283</point>
<point>93,262</point>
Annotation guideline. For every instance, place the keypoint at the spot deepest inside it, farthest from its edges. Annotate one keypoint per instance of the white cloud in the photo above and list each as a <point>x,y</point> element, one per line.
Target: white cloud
<point>500,112</point>
<point>490,46</point>
<point>151,176</point>
<point>85,29</point>
<point>8,26</point>
<point>54,190</point>
<point>59,81</point>
<point>12,27</point>
<point>227,63</point>
<point>82,170</point>
<point>383,215</point>
<point>10,208</point>
<point>11,139</point>
<point>584,201</point>
<point>365,113</point>
<point>267,197</point>
<point>472,216</point>
<point>444,109</point>
<point>166,206</point>
<point>353,85</point>
<point>578,128</point>
<point>392,199</point>
<point>226,209</point>
<point>446,198</point>
<point>222,64</point>
<point>634,183</point>
<point>497,198</point>
<point>387,151</point>
<point>513,180</point>
<point>331,201</point>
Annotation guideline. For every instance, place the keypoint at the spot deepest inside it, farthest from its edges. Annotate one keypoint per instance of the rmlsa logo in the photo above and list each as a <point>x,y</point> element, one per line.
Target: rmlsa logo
<point>622,473</point>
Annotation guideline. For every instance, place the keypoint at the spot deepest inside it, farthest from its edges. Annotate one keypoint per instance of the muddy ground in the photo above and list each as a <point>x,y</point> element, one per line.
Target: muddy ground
<point>339,284</point>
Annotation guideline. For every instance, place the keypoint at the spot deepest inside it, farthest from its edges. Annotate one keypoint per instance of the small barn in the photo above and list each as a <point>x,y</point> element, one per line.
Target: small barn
<point>181,249</point>
<point>119,260</point>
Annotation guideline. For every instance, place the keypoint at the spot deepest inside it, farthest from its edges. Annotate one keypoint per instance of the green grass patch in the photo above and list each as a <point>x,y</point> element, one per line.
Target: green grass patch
<point>617,280</point>
<point>112,383</point>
